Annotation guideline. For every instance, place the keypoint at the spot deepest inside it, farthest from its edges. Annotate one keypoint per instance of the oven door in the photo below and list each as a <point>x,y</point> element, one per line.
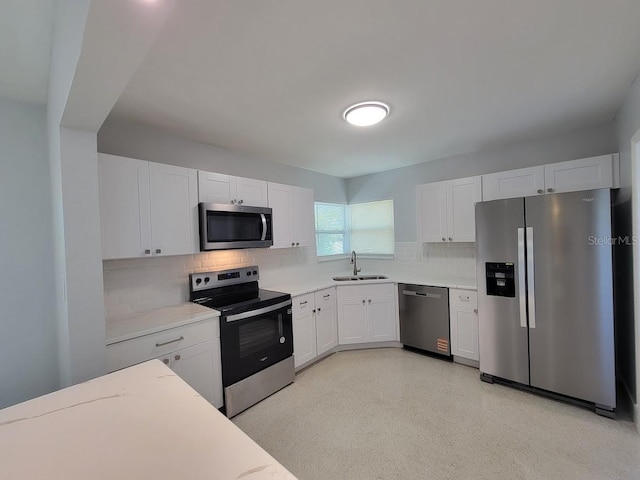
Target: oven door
<point>254,340</point>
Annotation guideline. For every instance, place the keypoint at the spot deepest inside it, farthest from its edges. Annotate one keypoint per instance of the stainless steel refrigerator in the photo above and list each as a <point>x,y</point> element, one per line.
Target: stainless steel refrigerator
<point>545,294</point>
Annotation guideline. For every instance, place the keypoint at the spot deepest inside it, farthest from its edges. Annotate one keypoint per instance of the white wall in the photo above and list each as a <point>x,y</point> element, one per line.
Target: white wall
<point>130,139</point>
<point>627,331</point>
<point>400,184</point>
<point>28,345</point>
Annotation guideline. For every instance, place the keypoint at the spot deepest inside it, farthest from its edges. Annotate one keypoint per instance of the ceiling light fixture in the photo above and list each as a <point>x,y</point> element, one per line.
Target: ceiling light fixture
<point>366,114</point>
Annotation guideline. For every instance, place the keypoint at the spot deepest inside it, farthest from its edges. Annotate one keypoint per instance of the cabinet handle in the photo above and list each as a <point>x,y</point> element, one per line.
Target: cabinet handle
<point>297,244</point>
<point>240,201</point>
<point>444,239</point>
<point>165,361</point>
<point>369,300</point>
<point>326,296</point>
<point>540,191</point>
<point>319,309</point>
<point>158,250</point>
<point>313,311</point>
<point>176,358</point>
<point>550,190</point>
<point>169,342</point>
<point>464,298</point>
<point>303,303</point>
<point>293,244</point>
<point>233,201</point>
<point>450,239</point>
<point>363,302</point>
<point>475,310</point>
<point>147,251</point>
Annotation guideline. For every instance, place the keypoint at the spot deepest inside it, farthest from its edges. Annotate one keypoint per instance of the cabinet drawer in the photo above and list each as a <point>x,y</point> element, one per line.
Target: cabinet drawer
<point>463,297</point>
<point>303,304</point>
<point>140,349</point>
<point>326,297</point>
<point>366,291</point>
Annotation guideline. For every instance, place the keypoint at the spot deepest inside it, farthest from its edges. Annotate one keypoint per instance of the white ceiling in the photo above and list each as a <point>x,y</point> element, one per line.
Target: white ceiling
<point>26,28</point>
<point>272,78</point>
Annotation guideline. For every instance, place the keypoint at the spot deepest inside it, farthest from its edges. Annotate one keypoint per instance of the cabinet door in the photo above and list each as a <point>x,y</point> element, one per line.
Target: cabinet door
<point>125,210</point>
<point>462,195</point>
<point>523,182</point>
<point>326,320</point>
<point>215,187</point>
<point>381,313</point>
<point>304,329</point>
<point>582,174</point>
<point>281,202</point>
<point>251,192</point>
<point>304,225</point>
<point>352,315</point>
<point>431,212</point>
<point>464,332</point>
<point>174,209</point>
<point>463,316</point>
<point>196,365</point>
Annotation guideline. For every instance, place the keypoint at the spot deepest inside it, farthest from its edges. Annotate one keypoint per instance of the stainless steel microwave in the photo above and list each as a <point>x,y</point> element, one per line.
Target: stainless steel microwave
<point>225,227</point>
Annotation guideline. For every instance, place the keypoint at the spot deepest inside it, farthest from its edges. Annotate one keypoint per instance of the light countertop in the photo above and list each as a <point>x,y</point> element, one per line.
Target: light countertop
<point>140,422</point>
<point>126,327</point>
<point>299,286</point>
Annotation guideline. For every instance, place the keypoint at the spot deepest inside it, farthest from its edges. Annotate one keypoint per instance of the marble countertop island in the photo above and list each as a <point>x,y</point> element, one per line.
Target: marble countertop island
<point>143,422</point>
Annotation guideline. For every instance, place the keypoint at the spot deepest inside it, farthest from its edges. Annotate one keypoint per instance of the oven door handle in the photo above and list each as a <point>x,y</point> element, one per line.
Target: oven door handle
<point>264,226</point>
<point>260,311</point>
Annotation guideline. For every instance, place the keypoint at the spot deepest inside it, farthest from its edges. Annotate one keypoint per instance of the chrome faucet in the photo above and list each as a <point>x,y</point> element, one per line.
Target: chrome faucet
<point>356,270</point>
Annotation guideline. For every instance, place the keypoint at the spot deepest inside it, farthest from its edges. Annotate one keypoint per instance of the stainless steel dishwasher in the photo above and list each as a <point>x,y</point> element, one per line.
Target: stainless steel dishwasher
<point>424,318</point>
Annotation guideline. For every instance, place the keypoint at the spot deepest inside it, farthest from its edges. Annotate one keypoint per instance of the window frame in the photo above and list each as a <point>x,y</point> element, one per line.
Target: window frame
<point>345,232</point>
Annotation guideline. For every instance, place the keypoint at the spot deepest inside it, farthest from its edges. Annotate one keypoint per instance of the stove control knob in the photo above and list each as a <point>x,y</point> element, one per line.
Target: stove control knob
<point>206,279</point>
<point>198,281</point>
<point>255,272</point>
<point>248,274</point>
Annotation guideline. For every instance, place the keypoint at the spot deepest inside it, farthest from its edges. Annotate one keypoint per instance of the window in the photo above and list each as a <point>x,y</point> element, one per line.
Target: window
<point>366,228</point>
<point>331,229</point>
<point>371,228</point>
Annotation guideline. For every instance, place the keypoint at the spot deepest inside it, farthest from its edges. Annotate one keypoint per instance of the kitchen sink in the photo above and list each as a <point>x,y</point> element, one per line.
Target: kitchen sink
<point>350,278</point>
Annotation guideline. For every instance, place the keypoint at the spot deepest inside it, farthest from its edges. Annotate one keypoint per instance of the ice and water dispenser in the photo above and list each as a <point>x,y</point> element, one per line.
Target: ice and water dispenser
<point>500,279</point>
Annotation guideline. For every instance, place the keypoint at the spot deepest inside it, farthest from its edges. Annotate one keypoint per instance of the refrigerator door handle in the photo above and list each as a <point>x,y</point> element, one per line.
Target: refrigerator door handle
<point>522,294</point>
<point>531,279</point>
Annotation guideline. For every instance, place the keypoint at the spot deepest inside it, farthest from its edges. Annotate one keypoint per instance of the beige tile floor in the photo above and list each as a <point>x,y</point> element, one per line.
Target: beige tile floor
<point>395,414</point>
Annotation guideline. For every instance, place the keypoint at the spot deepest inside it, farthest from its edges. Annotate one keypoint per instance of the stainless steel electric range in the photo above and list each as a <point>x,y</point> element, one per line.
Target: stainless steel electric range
<point>256,334</point>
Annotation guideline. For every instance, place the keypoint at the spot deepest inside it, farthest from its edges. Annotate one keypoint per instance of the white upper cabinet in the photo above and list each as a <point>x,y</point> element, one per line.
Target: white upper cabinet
<point>432,212</point>
<point>147,209</point>
<point>572,176</point>
<point>220,188</point>
<point>125,208</point>
<point>462,195</point>
<point>582,174</point>
<point>446,210</point>
<point>174,209</point>
<point>293,215</point>
<point>523,182</point>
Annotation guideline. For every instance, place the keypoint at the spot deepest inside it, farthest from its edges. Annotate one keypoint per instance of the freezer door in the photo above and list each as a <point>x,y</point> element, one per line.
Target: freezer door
<point>572,344</point>
<point>503,333</point>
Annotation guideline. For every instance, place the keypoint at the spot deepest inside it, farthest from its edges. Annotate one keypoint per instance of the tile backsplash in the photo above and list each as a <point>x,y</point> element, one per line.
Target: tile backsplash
<point>134,285</point>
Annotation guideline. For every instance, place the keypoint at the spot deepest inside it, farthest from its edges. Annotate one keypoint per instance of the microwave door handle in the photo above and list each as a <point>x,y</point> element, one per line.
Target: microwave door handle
<point>264,226</point>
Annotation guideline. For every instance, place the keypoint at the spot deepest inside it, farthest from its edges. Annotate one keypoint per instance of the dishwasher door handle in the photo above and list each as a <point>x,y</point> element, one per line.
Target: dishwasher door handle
<point>420,294</point>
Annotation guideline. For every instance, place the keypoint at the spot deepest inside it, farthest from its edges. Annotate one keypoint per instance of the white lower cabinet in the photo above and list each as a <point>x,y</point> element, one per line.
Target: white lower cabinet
<point>315,329</point>
<point>304,329</point>
<point>192,351</point>
<point>367,313</point>
<point>326,320</point>
<point>463,312</point>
